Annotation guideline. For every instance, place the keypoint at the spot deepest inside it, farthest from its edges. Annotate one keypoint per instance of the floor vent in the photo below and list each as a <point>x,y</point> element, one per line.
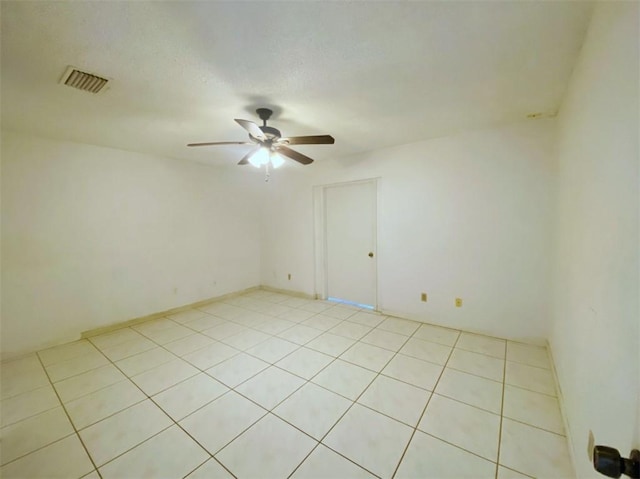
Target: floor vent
<point>83,81</point>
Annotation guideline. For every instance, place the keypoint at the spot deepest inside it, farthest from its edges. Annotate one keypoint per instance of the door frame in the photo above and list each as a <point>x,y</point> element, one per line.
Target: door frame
<point>320,235</point>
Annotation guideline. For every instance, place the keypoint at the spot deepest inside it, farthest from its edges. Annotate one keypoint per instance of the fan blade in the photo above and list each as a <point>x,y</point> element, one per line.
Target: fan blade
<point>222,143</point>
<point>245,158</point>
<point>309,140</point>
<point>294,155</point>
<point>253,129</point>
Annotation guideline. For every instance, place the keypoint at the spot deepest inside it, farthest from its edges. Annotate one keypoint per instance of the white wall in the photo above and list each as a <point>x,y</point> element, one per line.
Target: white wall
<point>93,236</point>
<point>463,216</point>
<point>595,330</point>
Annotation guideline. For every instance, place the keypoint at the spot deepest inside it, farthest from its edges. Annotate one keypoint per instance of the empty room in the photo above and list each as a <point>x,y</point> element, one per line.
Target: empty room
<point>320,239</point>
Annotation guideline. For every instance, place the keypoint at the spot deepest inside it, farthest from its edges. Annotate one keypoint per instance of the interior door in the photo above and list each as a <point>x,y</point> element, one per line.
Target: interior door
<point>350,229</point>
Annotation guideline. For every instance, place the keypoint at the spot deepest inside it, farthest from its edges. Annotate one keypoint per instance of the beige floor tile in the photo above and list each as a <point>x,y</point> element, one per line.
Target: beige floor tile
<point>482,344</point>
<point>164,376</point>
<point>295,302</point>
<point>86,383</point>
<point>272,350</point>
<point>385,339</point>
<point>33,433</point>
<point>142,362</point>
<point>117,434</point>
<point>186,397</point>
<point>399,326</point>
<point>313,409</point>
<point>211,469</point>
<point>220,421</point>
<point>470,389</point>
<point>478,364</point>
<point>222,310</point>
<point>368,319</point>
<point>304,362</point>
<point>426,350</point>
<point>228,312</point>
<point>115,338</point>
<point>528,354</point>
<point>65,458</point>
<point>367,356</point>
<point>300,334</point>
<point>210,355</point>
<point>330,344</point>
<point>154,325</point>
<point>167,335</point>
<point>321,322</point>
<point>437,334</point>
<point>413,371</point>
<point>370,439</point>
<point>339,312</point>
<point>275,448</point>
<point>350,330</point>
<point>296,315</point>
<point>467,427</point>
<point>430,457</point>
<point>504,473</point>
<point>533,408</point>
<point>22,375</point>
<point>533,451</point>
<point>275,326</point>
<point>323,463</point>
<point>237,369</point>
<point>72,367</point>
<point>345,379</point>
<point>252,319</point>
<point>186,316</point>
<point>394,398</point>
<point>129,348</point>
<point>27,404</point>
<point>224,330</point>
<point>270,387</point>
<point>66,352</point>
<point>531,378</point>
<point>100,404</point>
<point>246,339</point>
<point>315,307</point>
<point>205,322</point>
<point>172,453</point>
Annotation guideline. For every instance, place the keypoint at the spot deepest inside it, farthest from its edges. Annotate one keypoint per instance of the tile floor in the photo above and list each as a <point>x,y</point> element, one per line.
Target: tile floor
<point>266,385</point>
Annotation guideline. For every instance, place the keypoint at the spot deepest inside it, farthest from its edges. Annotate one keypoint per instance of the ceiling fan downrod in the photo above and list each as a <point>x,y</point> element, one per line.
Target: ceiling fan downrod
<point>264,114</point>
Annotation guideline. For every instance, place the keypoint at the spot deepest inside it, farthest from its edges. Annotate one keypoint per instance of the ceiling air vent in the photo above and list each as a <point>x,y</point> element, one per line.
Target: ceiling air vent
<point>83,81</point>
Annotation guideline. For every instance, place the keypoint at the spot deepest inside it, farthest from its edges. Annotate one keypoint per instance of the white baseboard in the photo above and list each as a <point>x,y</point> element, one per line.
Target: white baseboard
<point>563,411</point>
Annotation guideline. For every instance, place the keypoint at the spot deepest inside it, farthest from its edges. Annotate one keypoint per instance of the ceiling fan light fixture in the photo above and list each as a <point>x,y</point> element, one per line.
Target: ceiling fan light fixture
<point>276,160</point>
<point>260,157</point>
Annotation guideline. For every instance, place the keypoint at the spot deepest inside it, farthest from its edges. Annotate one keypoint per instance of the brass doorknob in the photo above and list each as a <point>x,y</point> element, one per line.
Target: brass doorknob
<point>370,254</point>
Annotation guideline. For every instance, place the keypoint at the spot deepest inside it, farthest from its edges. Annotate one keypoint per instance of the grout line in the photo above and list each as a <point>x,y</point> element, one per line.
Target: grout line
<point>504,380</point>
<point>352,404</point>
<point>406,448</point>
<point>69,418</point>
<point>173,422</point>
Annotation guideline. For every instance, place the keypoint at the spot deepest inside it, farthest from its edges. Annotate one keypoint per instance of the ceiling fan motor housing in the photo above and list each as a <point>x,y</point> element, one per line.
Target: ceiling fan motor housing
<point>270,132</point>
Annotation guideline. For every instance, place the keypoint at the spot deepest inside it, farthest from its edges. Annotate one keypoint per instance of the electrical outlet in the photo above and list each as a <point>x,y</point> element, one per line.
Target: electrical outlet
<point>423,297</point>
<point>289,276</point>
<point>458,302</point>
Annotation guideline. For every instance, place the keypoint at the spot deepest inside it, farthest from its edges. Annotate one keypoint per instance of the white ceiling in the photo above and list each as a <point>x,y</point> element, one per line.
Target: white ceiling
<point>372,74</point>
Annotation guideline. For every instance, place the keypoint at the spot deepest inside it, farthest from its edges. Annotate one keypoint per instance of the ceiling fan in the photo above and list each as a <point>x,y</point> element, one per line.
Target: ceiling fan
<point>269,143</point>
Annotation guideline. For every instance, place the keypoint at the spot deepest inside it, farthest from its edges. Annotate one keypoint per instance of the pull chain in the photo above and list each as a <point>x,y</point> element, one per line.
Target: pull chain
<point>267,174</point>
